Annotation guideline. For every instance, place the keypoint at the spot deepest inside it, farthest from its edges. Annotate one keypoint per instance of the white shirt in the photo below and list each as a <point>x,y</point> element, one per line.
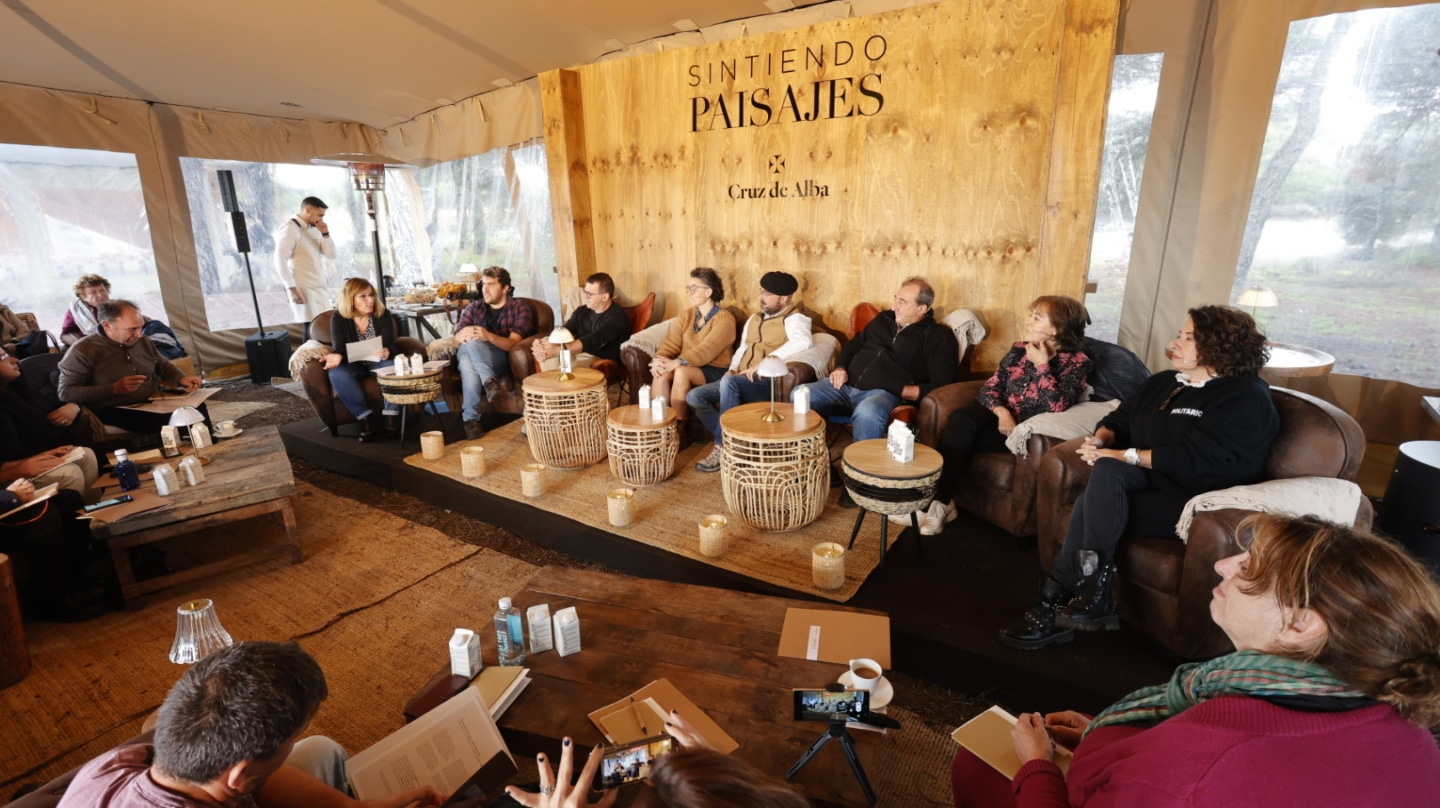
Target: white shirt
<point>298,250</point>
<point>797,338</point>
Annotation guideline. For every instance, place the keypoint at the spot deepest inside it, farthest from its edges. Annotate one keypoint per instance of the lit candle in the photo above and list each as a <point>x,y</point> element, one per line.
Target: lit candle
<point>619,501</point>
<point>532,479</point>
<point>432,445</point>
<point>472,461</point>
<point>827,565</point>
<point>714,540</point>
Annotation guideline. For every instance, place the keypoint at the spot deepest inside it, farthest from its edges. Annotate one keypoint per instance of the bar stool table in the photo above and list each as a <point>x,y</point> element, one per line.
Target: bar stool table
<point>565,420</point>
<point>642,448</point>
<point>880,483</point>
<point>775,474</point>
<point>414,388</point>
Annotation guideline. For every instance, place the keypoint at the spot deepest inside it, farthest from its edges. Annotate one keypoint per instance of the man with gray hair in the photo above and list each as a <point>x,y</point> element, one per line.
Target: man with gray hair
<point>229,734</point>
<point>900,357</point>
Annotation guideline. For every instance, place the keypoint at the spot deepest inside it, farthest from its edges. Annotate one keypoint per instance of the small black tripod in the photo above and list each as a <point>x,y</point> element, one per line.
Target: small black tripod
<point>836,731</point>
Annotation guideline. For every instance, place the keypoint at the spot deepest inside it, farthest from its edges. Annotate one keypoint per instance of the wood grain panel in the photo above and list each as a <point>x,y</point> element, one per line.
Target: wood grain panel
<point>959,141</point>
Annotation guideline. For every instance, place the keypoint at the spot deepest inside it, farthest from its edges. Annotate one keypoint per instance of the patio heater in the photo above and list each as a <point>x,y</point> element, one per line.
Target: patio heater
<point>367,175</point>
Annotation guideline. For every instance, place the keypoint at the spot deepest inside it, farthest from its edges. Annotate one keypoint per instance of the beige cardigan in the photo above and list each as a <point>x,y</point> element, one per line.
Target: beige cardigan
<point>712,346</point>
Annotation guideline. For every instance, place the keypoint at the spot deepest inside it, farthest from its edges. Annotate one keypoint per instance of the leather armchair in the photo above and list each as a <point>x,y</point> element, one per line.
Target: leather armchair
<point>998,486</point>
<point>511,399</point>
<point>316,380</point>
<point>1163,585</point>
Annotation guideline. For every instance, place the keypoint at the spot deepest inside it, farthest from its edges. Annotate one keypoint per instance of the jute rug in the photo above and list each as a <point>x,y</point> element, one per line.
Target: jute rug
<point>667,514</point>
<point>92,683</point>
<point>233,410</point>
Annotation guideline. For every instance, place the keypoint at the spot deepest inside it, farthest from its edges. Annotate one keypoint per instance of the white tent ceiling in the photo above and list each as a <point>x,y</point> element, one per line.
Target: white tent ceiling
<point>377,62</point>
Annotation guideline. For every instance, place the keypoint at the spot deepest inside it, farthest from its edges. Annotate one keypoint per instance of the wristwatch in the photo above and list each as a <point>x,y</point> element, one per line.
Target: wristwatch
<point>1132,456</point>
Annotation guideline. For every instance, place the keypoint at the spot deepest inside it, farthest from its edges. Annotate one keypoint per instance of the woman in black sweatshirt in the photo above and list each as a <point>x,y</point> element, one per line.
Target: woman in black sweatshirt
<point>1206,425</point>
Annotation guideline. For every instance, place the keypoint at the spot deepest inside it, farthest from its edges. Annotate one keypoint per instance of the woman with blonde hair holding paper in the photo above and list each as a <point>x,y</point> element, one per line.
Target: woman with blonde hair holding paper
<point>359,315</point>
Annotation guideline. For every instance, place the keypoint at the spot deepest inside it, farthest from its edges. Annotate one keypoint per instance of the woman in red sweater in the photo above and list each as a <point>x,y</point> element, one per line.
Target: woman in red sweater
<point>1326,700</point>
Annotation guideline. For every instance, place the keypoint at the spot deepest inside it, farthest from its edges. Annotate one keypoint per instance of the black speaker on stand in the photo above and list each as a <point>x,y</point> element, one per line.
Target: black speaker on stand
<point>267,352</point>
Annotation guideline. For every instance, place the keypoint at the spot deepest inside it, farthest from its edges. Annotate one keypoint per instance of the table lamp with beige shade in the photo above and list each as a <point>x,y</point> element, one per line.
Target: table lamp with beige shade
<point>562,337</point>
<point>772,368</point>
<point>1258,297</point>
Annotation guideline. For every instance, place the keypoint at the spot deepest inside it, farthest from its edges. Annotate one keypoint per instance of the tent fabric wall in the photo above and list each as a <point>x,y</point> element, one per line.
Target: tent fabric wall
<point>1221,67</point>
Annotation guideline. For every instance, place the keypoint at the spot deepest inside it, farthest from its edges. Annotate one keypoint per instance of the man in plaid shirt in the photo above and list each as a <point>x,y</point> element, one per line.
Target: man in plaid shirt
<point>487,329</point>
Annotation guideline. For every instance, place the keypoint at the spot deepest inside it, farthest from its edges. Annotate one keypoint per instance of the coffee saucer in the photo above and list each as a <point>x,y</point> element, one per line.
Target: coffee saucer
<point>234,434</point>
<point>879,697</point>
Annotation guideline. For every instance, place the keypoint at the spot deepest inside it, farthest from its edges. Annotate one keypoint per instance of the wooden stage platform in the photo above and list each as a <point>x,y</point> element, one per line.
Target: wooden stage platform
<point>946,608</point>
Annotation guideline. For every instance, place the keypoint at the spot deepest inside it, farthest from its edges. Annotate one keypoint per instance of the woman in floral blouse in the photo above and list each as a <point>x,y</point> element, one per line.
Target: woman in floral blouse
<point>1045,372</point>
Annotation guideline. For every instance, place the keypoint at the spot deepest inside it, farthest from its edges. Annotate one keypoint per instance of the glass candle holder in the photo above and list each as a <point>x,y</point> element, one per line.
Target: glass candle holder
<point>432,445</point>
<point>472,461</point>
<point>827,565</point>
<point>198,632</point>
<point>621,503</point>
<point>714,535</point>
<point>532,479</point>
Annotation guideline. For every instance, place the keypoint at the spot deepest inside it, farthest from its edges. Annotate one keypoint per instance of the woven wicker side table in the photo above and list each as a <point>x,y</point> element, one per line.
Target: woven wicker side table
<point>419,388</point>
<point>565,421</point>
<point>880,483</point>
<point>775,474</point>
<point>642,449</point>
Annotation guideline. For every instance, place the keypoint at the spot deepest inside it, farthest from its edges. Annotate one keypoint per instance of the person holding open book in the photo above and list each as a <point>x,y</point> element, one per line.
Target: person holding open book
<point>1327,699</point>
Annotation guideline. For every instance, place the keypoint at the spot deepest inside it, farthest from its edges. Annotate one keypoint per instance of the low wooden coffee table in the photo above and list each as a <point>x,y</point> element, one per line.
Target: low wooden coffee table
<point>248,476</point>
<point>717,647</point>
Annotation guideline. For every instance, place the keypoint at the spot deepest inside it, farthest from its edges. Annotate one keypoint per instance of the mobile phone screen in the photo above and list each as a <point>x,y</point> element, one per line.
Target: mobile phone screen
<point>823,705</point>
<point>108,503</point>
<point>632,761</point>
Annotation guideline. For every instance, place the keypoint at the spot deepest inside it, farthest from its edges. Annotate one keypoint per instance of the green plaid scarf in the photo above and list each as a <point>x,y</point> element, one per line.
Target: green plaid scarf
<point>1246,673</point>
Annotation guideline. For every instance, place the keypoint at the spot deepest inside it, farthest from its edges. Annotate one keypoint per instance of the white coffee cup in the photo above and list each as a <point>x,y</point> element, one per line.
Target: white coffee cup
<point>865,674</point>
<point>226,428</point>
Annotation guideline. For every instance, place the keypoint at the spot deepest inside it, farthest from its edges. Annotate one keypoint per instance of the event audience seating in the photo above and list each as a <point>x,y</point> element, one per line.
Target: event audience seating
<point>317,382</point>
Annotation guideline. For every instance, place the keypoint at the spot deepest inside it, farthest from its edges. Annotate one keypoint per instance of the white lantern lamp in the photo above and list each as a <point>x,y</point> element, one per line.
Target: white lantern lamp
<point>562,337</point>
<point>772,368</point>
<point>187,418</point>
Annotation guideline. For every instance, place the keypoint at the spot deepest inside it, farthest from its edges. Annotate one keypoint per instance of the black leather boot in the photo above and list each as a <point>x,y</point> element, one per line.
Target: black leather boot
<point>1036,627</point>
<point>1093,609</point>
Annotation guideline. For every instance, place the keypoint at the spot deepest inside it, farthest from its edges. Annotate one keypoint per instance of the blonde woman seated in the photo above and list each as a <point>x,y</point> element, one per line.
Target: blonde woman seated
<point>697,349</point>
<point>1325,701</point>
<point>359,316</point>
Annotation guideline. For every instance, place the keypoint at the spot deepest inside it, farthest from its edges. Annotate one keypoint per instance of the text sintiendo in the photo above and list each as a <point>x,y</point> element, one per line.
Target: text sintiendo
<point>828,98</point>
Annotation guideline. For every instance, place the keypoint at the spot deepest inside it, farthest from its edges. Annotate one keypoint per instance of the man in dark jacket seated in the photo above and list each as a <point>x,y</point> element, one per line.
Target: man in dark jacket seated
<point>900,357</point>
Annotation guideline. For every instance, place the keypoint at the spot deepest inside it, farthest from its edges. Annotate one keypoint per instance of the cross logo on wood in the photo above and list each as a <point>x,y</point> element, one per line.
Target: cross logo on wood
<point>777,164</point>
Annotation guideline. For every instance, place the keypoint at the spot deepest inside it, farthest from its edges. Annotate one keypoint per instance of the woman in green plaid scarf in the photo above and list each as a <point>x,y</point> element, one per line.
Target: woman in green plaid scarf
<point>1325,701</point>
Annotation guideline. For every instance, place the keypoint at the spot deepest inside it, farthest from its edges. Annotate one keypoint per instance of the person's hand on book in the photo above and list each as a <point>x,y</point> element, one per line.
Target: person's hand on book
<point>1066,727</point>
<point>22,488</point>
<point>39,464</point>
<point>1031,740</point>
<point>557,790</point>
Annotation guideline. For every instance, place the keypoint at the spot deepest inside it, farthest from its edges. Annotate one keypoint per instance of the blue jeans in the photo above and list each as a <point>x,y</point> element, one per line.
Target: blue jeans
<point>345,378</point>
<point>479,362</point>
<point>709,401</point>
<point>868,410</point>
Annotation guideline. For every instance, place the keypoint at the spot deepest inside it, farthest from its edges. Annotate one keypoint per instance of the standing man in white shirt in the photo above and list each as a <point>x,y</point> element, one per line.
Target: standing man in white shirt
<point>300,243</point>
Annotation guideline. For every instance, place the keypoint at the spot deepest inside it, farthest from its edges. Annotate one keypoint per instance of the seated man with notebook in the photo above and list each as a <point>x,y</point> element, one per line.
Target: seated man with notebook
<point>229,734</point>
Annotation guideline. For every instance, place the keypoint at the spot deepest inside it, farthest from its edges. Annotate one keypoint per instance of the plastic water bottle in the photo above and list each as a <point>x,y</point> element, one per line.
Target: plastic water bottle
<point>509,635</point>
<point>125,471</point>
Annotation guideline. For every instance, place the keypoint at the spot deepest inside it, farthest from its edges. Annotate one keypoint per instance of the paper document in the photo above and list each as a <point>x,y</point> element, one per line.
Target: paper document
<point>832,635</point>
<point>366,350</point>
<point>624,716</point>
<point>41,494</point>
<point>987,736</point>
<point>442,749</point>
<point>165,403</point>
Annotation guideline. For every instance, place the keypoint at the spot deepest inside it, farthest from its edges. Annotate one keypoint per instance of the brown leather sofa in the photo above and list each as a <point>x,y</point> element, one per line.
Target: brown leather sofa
<point>511,399</point>
<point>1163,585</point>
<point>316,380</point>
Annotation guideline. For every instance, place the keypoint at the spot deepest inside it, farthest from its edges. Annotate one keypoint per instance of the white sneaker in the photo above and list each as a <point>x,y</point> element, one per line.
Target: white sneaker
<point>904,518</point>
<point>936,517</point>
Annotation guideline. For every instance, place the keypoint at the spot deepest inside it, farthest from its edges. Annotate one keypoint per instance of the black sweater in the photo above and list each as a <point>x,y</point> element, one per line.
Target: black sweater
<point>343,332</point>
<point>1206,438</point>
<point>885,357</point>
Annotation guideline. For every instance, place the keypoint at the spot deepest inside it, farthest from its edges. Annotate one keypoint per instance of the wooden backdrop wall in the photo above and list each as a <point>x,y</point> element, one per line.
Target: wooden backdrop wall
<point>958,141</point>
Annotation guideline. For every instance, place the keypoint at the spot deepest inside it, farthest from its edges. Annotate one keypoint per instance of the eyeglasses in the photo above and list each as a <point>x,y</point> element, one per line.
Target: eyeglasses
<point>693,288</point>
<point>588,293</point>
<point>1165,405</point>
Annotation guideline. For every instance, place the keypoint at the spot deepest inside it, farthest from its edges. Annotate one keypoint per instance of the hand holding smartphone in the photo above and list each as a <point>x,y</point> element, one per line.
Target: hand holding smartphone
<point>632,761</point>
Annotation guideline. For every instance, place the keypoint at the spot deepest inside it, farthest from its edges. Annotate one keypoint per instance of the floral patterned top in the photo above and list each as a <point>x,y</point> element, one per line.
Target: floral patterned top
<point>1026,389</point>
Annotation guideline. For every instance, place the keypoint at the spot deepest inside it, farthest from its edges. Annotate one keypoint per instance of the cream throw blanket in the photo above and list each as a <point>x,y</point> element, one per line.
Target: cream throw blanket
<point>1329,498</point>
<point>1076,422</point>
<point>310,350</point>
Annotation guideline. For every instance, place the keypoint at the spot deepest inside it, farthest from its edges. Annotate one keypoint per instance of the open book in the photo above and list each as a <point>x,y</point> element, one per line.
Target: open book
<point>454,748</point>
<point>987,736</point>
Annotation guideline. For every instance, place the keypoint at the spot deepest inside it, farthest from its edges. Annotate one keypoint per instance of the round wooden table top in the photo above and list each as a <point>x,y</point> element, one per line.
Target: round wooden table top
<point>545,383</point>
<point>632,417</point>
<point>744,422</point>
<point>873,458</point>
<point>1297,360</point>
